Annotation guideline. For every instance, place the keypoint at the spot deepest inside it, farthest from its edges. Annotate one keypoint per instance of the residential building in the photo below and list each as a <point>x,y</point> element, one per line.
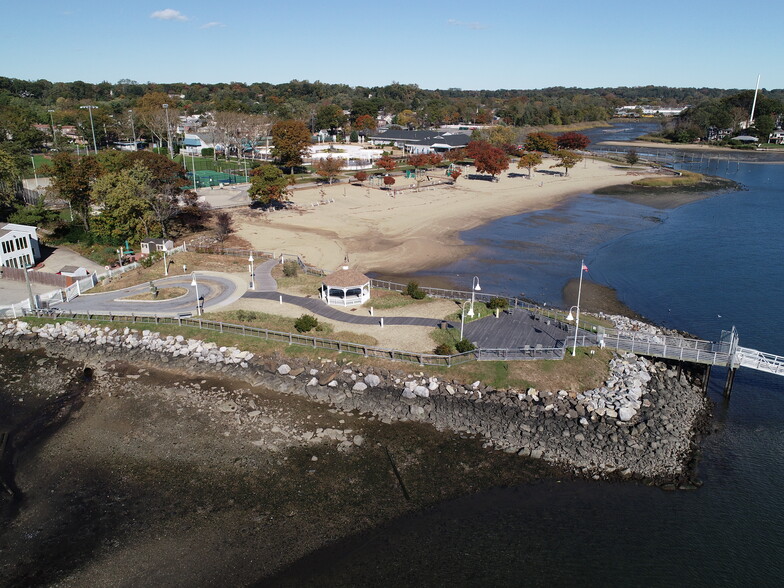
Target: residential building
<point>421,141</point>
<point>19,246</point>
<point>150,246</point>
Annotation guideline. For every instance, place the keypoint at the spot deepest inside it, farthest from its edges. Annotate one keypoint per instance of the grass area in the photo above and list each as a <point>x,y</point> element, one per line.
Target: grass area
<point>193,261</point>
<point>161,294</point>
<point>654,139</point>
<point>302,284</point>
<point>274,322</point>
<point>582,372</point>
<point>385,299</point>
<point>686,178</point>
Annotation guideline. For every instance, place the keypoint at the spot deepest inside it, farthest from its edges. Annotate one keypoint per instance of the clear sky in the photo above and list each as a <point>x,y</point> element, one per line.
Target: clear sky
<point>472,44</point>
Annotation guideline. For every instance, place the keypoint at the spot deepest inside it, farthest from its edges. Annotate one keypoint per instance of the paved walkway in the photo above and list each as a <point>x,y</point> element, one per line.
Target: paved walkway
<point>262,275</point>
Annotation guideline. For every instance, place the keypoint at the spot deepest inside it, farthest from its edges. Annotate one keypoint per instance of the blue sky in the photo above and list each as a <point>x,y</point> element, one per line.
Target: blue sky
<point>436,44</point>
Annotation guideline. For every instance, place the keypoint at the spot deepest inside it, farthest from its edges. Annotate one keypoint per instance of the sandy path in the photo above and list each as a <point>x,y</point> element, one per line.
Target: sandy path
<point>415,230</point>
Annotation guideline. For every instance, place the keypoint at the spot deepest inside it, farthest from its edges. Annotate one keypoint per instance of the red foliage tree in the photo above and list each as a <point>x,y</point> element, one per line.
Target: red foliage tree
<point>420,160</point>
<point>387,163</point>
<point>456,173</point>
<point>365,122</point>
<point>434,158</point>
<point>491,160</point>
<point>572,141</point>
<point>455,154</point>
<point>360,176</point>
<point>389,180</point>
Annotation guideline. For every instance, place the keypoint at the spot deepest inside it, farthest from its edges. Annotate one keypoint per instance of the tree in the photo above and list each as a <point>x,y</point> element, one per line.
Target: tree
<point>530,160</point>
<point>71,180</point>
<point>123,198</point>
<point>454,174</point>
<point>330,116</point>
<point>329,167</point>
<point>223,226</point>
<point>365,122</point>
<point>632,157</point>
<point>387,163</point>
<point>764,125</point>
<point>543,142</point>
<point>291,140</point>
<point>267,184</point>
<point>389,181</point>
<point>407,118</point>
<point>360,176</point>
<point>487,159</point>
<point>572,141</point>
<point>9,178</point>
<point>566,159</point>
<point>500,135</point>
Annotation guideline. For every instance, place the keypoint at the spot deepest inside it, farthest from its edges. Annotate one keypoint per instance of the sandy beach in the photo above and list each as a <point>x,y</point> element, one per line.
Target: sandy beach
<point>414,230</point>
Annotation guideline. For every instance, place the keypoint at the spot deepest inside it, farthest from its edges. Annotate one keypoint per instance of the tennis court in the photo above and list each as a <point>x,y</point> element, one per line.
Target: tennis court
<point>206,178</point>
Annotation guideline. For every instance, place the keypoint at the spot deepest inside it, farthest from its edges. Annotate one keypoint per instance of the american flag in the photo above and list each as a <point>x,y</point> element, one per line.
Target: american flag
<point>585,268</point>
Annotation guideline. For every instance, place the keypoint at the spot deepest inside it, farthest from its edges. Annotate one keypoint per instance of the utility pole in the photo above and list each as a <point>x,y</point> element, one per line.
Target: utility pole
<point>92,126</point>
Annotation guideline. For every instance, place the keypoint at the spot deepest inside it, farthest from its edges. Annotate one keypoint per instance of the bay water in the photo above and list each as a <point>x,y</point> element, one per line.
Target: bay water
<point>703,267</point>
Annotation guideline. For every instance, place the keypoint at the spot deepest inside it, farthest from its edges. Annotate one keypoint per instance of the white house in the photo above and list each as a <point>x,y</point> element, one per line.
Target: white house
<point>150,246</point>
<point>18,245</point>
<point>193,143</point>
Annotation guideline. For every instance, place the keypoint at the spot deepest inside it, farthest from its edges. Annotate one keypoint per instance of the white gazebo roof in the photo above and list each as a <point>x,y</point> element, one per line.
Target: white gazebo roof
<point>346,278</point>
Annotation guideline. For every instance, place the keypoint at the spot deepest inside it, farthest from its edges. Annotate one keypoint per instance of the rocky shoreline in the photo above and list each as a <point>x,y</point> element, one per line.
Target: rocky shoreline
<point>640,424</point>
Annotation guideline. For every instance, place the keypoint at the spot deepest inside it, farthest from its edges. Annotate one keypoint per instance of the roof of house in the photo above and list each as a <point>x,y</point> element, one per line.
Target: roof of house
<point>156,241</point>
<point>346,278</point>
<point>424,137</point>
<point>69,269</point>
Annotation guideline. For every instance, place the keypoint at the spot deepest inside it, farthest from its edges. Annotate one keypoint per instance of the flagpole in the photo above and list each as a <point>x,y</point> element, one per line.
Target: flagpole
<point>577,314</point>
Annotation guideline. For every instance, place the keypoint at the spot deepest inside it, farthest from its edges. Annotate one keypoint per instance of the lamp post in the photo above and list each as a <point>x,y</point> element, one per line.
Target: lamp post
<point>195,285</point>
<point>250,269</point>
<point>165,262</point>
<point>474,288</point>
<point>576,317</point>
<point>33,305</point>
<point>462,318</point>
<point>119,256</point>
<point>92,126</point>
<point>168,130</point>
<point>54,135</point>
<point>133,130</point>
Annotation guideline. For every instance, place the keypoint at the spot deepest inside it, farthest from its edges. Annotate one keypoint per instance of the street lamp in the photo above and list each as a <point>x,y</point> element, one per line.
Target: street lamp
<point>119,255</point>
<point>92,126</point>
<point>33,305</point>
<point>168,130</point>
<point>165,262</point>
<point>54,135</point>
<point>462,318</point>
<point>250,268</point>
<point>195,285</point>
<point>576,317</point>
<point>474,288</point>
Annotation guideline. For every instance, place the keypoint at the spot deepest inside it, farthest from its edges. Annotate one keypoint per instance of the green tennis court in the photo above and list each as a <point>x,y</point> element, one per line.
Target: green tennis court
<point>205,178</point>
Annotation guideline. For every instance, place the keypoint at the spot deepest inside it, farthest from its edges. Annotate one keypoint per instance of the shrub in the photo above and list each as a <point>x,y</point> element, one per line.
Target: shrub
<point>290,268</point>
<point>149,260</point>
<point>464,345</point>
<point>360,176</point>
<point>419,295</point>
<point>411,288</point>
<point>246,315</point>
<point>306,323</point>
<point>208,152</point>
<point>444,349</point>
<point>501,303</point>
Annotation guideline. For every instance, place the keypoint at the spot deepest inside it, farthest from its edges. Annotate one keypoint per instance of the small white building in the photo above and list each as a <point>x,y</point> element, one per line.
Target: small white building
<point>19,246</point>
<point>150,246</point>
<point>345,287</point>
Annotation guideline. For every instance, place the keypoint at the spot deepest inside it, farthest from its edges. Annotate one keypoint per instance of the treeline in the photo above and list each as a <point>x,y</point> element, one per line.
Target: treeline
<point>729,112</point>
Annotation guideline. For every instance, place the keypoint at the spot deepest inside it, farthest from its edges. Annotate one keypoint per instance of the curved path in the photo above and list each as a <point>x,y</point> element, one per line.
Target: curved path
<point>216,290</point>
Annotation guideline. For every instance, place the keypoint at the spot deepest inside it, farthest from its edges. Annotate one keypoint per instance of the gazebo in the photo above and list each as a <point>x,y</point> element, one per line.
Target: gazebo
<point>345,287</point>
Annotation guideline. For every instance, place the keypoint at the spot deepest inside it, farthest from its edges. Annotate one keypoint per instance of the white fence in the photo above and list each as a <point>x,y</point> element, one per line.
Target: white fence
<point>76,289</point>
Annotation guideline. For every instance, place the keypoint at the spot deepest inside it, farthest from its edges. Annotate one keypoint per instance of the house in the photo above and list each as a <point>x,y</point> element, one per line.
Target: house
<point>150,246</point>
<point>777,136</point>
<point>193,143</point>
<point>421,141</point>
<point>19,246</point>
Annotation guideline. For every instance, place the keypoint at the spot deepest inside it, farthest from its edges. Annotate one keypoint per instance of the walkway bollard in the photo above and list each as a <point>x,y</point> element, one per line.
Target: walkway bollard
<point>382,322</point>
<point>281,298</point>
<point>371,311</point>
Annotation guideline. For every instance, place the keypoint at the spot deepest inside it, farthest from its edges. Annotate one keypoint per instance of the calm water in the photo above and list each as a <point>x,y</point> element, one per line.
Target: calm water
<point>702,267</point>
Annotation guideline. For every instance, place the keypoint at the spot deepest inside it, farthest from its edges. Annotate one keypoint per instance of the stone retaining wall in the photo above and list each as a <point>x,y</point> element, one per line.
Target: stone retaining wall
<point>640,423</point>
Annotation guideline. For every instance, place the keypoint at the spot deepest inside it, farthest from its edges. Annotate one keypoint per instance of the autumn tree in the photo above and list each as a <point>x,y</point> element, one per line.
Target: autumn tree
<point>291,140</point>
<point>387,163</point>
<point>455,154</point>
<point>543,142</point>
<point>365,123</point>
<point>487,158</point>
<point>502,135</point>
<point>329,167</point>
<point>572,141</point>
<point>389,181</point>
<point>454,174</point>
<point>566,159</point>
<point>530,160</point>
<point>361,176</point>
<point>71,179</point>
<point>223,226</point>
<point>151,115</point>
<point>267,184</point>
